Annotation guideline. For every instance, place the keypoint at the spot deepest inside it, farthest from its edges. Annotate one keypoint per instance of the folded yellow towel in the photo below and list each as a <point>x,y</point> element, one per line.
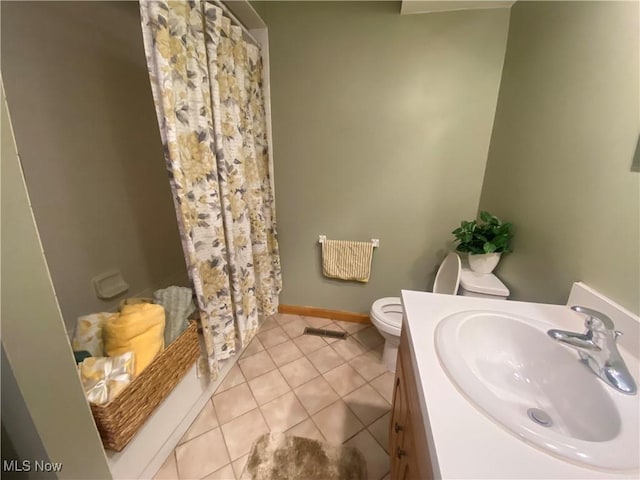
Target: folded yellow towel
<point>137,328</point>
<point>347,260</point>
<point>134,301</point>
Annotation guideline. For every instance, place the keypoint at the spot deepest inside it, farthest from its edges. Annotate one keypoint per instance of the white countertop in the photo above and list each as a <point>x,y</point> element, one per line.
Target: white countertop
<point>467,443</point>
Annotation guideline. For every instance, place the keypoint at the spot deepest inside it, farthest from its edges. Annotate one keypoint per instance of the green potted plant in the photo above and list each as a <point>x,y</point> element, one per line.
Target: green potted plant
<point>484,241</point>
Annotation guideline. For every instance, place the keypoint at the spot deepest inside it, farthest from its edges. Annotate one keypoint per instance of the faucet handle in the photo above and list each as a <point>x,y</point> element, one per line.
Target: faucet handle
<point>594,317</point>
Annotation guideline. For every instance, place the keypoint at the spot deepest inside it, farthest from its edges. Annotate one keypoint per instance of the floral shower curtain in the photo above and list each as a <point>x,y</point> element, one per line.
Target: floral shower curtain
<point>207,87</point>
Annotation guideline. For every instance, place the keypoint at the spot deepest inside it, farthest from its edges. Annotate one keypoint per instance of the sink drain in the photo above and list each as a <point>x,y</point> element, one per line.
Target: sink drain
<point>540,417</point>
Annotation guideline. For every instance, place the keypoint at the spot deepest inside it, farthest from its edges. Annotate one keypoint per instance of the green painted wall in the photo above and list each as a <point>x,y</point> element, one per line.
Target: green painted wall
<point>381,128</point>
<point>260,7</point>
<point>90,148</point>
<point>565,132</point>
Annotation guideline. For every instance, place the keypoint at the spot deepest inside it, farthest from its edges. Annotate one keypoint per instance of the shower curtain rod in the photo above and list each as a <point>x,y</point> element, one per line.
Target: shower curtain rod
<point>237,22</point>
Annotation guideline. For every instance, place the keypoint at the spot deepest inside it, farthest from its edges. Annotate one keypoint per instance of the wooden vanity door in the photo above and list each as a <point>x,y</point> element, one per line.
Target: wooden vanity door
<point>408,444</point>
<point>407,467</point>
<point>398,423</point>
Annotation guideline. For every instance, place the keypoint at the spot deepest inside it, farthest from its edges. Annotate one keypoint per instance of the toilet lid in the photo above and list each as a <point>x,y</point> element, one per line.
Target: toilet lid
<point>388,310</point>
<point>448,276</point>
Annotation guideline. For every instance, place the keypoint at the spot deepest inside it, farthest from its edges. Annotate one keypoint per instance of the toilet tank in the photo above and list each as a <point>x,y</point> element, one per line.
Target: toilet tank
<point>481,285</point>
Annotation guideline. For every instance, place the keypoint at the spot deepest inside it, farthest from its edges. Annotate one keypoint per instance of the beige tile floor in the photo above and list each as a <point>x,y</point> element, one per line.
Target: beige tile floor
<point>331,390</point>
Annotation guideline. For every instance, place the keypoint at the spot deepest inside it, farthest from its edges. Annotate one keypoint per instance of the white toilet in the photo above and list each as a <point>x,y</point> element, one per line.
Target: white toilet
<point>452,278</point>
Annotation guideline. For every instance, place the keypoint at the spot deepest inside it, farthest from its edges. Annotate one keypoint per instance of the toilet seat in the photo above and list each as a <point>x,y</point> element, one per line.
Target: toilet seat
<point>388,313</point>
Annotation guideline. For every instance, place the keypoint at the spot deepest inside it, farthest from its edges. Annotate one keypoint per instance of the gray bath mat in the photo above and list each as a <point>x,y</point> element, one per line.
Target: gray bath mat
<point>276,456</point>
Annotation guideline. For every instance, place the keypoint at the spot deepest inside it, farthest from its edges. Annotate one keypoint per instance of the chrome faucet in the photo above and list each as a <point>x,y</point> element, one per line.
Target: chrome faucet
<point>597,348</point>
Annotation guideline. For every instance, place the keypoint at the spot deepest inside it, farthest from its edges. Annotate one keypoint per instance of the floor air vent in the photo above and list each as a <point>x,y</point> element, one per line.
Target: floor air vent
<point>321,332</point>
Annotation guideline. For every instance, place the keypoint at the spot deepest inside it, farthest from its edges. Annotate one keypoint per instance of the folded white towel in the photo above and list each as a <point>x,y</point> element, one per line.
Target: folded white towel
<point>347,260</point>
<point>88,333</point>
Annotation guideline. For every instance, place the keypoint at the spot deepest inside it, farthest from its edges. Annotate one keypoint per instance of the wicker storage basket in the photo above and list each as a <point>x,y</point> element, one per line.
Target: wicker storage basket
<point>119,420</point>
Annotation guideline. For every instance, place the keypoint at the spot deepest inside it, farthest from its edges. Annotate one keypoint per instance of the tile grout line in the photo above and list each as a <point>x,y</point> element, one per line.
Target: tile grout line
<point>192,423</point>
<point>224,439</point>
<point>288,340</point>
<point>321,375</point>
<point>289,385</point>
<point>258,405</point>
<point>260,411</point>
<point>175,459</point>
<point>309,414</point>
<point>317,426</point>
<point>311,351</point>
<point>226,446</point>
<point>274,398</point>
<point>262,351</point>
<point>365,426</point>
<point>275,344</point>
<point>341,397</point>
<point>308,417</point>
<point>265,321</point>
<point>242,357</point>
<point>278,369</point>
<point>376,390</point>
<point>357,433</point>
<point>376,438</point>
<point>292,390</point>
<point>219,425</point>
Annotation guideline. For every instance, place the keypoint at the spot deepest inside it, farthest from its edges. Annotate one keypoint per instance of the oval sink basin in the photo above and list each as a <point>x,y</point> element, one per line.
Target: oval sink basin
<point>539,390</point>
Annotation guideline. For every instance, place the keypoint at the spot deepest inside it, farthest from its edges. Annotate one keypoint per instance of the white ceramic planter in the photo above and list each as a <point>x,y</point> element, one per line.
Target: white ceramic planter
<point>484,262</point>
